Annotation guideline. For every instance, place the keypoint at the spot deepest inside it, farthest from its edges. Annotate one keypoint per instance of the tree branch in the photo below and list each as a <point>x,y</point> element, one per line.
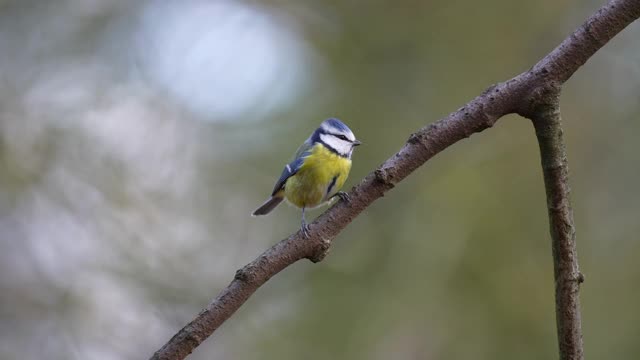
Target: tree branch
<point>546,120</point>
<point>521,95</point>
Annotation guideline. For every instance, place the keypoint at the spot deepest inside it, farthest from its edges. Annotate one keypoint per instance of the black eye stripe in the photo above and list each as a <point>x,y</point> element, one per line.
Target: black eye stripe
<point>339,136</point>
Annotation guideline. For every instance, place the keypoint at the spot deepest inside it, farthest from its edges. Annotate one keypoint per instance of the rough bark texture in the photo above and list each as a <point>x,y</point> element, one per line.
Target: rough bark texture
<point>524,95</point>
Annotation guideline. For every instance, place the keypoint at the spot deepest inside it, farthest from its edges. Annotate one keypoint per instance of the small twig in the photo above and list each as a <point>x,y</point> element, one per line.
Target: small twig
<point>479,114</point>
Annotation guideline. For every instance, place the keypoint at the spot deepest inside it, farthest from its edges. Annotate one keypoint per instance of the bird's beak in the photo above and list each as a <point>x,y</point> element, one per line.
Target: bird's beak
<point>357,143</point>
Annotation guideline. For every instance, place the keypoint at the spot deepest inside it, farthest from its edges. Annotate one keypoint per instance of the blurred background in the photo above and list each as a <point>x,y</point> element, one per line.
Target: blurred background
<point>137,137</point>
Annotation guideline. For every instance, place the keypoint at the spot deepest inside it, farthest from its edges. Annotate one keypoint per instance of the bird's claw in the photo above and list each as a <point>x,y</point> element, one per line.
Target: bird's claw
<point>305,230</point>
<point>343,196</point>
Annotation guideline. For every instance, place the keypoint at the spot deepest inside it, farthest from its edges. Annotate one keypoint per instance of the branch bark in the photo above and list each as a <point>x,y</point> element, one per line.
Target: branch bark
<point>523,94</point>
<point>546,121</point>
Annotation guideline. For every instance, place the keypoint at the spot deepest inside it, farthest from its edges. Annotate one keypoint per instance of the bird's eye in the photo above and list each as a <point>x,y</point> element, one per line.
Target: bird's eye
<point>342,137</point>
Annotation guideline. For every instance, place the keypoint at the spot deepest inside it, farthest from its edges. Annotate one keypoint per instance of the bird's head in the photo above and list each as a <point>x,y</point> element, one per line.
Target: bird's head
<point>336,136</point>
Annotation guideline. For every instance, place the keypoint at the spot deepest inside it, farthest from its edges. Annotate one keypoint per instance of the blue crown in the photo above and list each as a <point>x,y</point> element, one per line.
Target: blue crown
<point>337,124</point>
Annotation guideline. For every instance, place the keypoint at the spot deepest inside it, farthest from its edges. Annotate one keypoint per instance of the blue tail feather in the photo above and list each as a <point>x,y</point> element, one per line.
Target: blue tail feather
<point>268,206</point>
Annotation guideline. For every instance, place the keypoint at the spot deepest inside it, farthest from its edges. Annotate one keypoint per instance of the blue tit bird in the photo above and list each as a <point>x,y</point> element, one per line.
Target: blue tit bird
<point>318,171</point>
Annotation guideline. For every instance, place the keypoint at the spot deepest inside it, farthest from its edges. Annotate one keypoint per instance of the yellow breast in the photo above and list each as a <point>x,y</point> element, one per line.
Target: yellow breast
<point>322,174</point>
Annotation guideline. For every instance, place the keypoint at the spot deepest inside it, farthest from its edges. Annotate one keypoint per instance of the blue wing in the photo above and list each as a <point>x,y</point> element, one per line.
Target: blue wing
<point>293,167</point>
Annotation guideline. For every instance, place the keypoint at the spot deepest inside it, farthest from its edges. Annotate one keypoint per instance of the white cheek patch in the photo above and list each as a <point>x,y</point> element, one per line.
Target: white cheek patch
<point>341,146</point>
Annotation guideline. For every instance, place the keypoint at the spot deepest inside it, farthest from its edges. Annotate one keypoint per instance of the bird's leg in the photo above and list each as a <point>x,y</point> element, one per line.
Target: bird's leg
<point>342,195</point>
<point>305,227</point>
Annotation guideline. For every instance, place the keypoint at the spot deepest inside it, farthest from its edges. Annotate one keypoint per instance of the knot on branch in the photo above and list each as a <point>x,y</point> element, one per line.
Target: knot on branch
<point>320,250</point>
<point>245,274</point>
<point>385,177</point>
<point>421,137</point>
<point>571,281</point>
